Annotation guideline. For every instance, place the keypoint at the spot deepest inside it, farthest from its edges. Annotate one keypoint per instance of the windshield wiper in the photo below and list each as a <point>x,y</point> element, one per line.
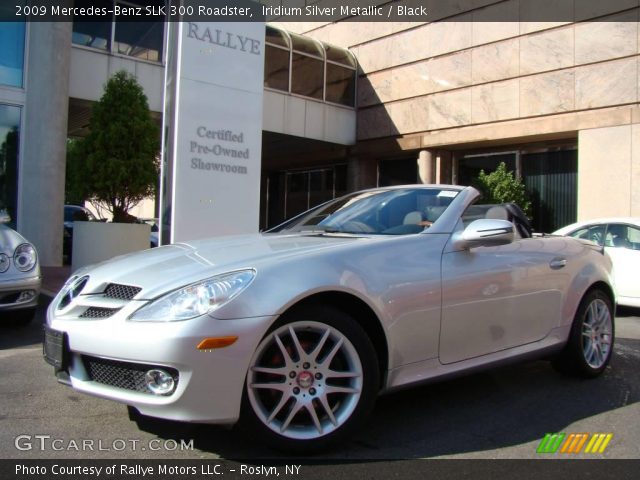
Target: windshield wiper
<point>322,230</point>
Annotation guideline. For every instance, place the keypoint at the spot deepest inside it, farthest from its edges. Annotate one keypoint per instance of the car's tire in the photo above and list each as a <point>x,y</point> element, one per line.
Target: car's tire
<point>312,381</point>
<point>590,345</point>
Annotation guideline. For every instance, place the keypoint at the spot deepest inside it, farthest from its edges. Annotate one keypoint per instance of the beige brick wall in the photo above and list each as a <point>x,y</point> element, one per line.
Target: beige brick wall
<point>424,77</point>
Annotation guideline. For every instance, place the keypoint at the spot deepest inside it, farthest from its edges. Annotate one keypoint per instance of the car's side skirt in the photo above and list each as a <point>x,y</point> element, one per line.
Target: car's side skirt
<point>432,370</point>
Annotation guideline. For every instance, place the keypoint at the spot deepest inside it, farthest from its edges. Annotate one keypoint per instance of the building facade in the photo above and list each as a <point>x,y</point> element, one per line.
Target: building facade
<point>435,102</point>
<point>556,101</point>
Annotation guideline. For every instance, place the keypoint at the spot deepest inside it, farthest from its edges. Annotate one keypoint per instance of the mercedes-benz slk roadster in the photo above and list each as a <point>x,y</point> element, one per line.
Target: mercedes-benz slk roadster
<point>295,332</point>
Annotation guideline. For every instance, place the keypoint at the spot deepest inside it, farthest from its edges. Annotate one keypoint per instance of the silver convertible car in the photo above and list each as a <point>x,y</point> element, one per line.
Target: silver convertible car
<point>296,331</point>
<point>19,276</point>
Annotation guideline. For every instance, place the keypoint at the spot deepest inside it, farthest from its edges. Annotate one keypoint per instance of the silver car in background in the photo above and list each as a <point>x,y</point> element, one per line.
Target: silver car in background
<point>295,332</point>
<point>19,276</point>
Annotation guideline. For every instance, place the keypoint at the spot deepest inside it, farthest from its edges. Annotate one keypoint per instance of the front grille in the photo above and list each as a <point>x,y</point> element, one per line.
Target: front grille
<point>121,292</point>
<point>125,375</point>
<point>98,312</point>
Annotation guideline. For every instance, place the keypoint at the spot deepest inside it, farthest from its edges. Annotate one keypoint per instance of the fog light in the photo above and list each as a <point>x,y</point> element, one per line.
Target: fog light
<point>159,382</point>
<point>26,295</point>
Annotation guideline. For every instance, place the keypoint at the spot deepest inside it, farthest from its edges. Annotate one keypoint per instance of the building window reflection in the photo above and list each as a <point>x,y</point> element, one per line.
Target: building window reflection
<point>9,142</point>
<point>124,36</point>
<point>309,68</point>
<point>11,53</point>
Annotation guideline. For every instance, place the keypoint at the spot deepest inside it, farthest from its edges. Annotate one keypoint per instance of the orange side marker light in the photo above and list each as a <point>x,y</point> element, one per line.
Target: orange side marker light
<point>216,342</point>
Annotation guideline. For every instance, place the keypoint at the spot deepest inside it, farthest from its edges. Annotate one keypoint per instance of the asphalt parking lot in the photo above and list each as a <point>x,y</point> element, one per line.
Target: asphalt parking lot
<point>499,414</point>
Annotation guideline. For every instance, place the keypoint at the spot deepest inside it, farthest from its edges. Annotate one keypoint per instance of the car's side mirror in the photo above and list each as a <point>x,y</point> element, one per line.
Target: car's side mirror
<point>484,233</point>
<point>4,216</point>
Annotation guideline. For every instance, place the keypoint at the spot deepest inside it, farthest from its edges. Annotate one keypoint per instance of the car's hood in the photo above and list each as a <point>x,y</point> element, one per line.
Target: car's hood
<point>162,269</point>
<point>9,240</point>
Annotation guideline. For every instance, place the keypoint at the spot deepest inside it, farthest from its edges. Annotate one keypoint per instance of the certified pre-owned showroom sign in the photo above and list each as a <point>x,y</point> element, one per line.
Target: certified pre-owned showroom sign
<point>213,129</point>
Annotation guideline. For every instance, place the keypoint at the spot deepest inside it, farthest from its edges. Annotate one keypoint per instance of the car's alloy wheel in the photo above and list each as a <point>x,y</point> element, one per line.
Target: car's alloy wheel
<point>597,333</point>
<point>311,379</point>
<point>590,345</point>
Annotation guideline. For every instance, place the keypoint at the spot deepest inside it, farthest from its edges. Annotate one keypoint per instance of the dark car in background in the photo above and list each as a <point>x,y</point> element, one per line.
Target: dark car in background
<point>73,213</point>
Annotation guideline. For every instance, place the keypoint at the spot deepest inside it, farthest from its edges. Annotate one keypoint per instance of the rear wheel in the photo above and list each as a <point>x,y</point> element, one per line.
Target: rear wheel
<point>590,344</point>
<point>313,379</point>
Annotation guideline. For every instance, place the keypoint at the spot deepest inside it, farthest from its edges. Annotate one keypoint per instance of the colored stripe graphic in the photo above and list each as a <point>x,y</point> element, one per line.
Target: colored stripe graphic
<point>573,443</point>
<point>550,443</point>
<point>598,442</point>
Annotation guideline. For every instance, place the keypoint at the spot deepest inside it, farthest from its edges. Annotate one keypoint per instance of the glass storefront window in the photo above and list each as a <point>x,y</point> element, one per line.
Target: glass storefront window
<point>276,68</point>
<point>309,68</point>
<point>142,40</point>
<point>341,85</point>
<point>339,55</point>
<point>93,33</point>
<point>12,53</point>
<point>9,142</point>
<point>307,76</point>
<point>306,45</point>
<point>277,37</point>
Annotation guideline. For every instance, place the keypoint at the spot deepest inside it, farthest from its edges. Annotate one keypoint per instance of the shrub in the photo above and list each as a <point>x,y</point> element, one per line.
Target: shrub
<point>501,186</point>
<point>116,165</point>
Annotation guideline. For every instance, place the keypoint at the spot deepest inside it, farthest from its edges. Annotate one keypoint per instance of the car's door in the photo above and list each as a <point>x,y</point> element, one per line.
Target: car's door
<point>622,243</point>
<point>495,298</point>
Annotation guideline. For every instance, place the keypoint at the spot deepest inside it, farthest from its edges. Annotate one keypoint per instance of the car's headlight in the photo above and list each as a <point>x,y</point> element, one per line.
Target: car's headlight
<point>196,299</point>
<point>25,257</point>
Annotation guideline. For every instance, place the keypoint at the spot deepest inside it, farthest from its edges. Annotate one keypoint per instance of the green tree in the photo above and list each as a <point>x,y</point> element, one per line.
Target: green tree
<point>116,165</point>
<point>501,186</point>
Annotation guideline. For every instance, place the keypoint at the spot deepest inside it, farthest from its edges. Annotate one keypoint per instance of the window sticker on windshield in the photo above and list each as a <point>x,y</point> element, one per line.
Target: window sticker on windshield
<point>447,193</point>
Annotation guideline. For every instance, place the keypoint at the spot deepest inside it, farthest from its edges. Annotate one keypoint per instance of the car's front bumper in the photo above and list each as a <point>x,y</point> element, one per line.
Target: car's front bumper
<point>210,384</point>
<point>20,293</point>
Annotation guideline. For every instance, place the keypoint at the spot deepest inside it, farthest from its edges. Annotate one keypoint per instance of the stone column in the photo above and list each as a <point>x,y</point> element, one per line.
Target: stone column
<point>444,167</point>
<point>361,173</point>
<point>426,167</point>
<point>41,178</point>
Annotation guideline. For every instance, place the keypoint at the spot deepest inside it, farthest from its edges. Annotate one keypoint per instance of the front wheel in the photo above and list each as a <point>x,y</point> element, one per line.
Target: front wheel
<point>590,344</point>
<point>313,379</point>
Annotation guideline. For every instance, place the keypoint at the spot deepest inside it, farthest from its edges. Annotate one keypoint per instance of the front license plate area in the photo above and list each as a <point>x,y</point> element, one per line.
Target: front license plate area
<point>54,348</point>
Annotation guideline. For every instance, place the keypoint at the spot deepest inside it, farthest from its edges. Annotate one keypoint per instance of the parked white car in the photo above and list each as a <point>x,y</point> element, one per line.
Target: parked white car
<point>295,332</point>
<point>620,237</point>
<point>19,276</point>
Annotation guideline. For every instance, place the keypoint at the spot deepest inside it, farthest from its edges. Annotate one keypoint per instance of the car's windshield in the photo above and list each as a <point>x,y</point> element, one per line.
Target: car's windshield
<point>398,211</point>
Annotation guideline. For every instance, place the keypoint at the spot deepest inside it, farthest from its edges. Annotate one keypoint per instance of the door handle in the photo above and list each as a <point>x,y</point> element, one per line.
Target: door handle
<point>558,263</point>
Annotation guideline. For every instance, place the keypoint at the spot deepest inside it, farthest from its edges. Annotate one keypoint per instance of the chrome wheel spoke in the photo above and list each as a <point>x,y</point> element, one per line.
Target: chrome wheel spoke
<point>603,317</point>
<point>325,404</point>
<point>597,353</point>
<point>296,344</point>
<point>334,374</point>
<point>287,358</point>
<point>588,351</point>
<point>271,370</point>
<point>283,400</point>
<point>292,413</point>
<point>329,358</point>
<point>314,417</point>
<point>336,389</point>
<point>281,387</point>
<point>316,351</point>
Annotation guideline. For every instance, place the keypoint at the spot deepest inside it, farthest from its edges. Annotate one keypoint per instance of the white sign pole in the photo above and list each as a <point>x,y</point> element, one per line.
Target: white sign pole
<point>212,132</point>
